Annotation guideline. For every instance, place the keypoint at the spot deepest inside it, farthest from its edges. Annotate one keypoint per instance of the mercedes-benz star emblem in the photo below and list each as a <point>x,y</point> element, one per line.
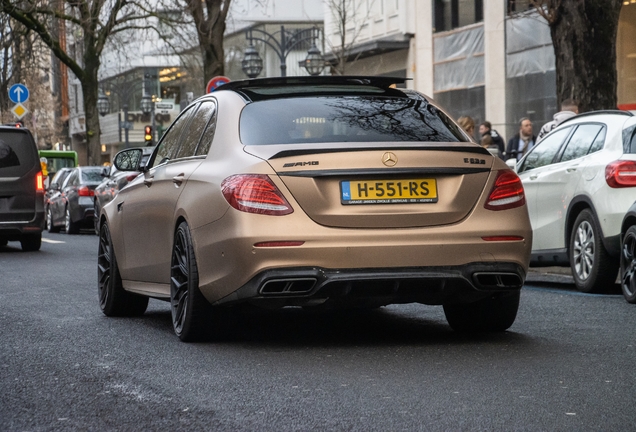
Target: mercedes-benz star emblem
<point>389,159</point>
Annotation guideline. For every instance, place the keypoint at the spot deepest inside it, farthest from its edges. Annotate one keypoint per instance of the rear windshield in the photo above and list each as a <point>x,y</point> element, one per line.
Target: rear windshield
<point>92,175</point>
<point>17,154</point>
<point>345,119</point>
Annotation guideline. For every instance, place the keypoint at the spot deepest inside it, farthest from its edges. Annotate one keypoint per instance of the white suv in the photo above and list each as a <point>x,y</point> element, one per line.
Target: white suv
<point>580,180</point>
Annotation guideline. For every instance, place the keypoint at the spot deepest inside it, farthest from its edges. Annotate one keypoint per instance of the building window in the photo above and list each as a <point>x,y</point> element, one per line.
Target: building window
<point>451,14</point>
<point>516,6</point>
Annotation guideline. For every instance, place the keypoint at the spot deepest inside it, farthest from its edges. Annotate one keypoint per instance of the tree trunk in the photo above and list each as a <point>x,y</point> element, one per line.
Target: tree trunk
<point>90,85</point>
<point>584,39</point>
<point>213,58</point>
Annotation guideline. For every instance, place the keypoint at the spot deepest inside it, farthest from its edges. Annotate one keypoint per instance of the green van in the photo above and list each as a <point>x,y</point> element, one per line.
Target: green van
<point>53,160</point>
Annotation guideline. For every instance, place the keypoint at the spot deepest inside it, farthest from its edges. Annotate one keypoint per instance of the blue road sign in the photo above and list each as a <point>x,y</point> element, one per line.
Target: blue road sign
<point>18,93</point>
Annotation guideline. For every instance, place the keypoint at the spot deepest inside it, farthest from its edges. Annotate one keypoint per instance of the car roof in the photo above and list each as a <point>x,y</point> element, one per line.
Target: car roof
<point>283,87</point>
<point>597,113</point>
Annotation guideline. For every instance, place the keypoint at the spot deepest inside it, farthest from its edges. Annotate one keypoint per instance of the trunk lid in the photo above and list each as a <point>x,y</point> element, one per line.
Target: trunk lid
<point>384,187</point>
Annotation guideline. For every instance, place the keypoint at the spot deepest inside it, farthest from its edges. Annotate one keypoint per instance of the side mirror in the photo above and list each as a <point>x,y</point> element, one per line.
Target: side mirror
<point>128,160</point>
<point>54,186</point>
<point>512,164</point>
<point>106,171</point>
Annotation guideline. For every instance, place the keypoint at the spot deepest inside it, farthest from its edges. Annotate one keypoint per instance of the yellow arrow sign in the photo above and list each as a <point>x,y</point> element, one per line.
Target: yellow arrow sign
<point>19,110</point>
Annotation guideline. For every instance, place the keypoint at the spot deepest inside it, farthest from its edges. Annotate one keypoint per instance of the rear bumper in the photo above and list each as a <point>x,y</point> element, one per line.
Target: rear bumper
<point>13,230</point>
<point>83,213</point>
<point>376,287</point>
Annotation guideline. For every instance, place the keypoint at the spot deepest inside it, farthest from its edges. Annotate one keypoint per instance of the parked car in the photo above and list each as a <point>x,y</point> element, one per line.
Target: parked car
<point>579,182</point>
<point>315,192</point>
<point>54,188</point>
<point>113,181</point>
<point>628,255</point>
<point>71,203</point>
<point>21,189</point>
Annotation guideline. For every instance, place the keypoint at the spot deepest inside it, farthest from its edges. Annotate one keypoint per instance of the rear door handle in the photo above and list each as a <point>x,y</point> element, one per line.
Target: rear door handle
<point>177,180</point>
<point>571,169</point>
<point>533,177</point>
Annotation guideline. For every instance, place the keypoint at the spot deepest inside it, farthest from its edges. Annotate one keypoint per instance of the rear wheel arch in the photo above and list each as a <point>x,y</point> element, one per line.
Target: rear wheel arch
<point>627,222</point>
<point>577,205</point>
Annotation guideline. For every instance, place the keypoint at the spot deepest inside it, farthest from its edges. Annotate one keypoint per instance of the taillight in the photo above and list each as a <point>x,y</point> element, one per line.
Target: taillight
<point>506,193</point>
<point>85,191</point>
<point>39,182</point>
<point>621,173</point>
<point>255,193</point>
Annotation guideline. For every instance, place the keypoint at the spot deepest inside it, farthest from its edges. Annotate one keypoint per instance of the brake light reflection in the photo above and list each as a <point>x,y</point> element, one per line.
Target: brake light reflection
<point>85,191</point>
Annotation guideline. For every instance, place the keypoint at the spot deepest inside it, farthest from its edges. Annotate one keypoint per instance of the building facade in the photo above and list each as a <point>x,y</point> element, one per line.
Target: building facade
<point>489,59</point>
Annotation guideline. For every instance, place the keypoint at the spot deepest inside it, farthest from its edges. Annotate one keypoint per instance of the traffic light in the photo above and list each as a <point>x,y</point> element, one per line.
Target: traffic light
<point>148,135</point>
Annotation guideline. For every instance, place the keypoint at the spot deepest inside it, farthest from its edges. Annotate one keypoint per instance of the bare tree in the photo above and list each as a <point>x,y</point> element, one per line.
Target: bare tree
<point>24,59</point>
<point>584,38</point>
<point>209,19</point>
<point>348,16</point>
<point>12,35</point>
<point>95,21</point>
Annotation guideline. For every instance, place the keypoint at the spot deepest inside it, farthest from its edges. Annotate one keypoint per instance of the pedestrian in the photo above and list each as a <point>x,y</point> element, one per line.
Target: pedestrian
<point>569,108</point>
<point>486,129</point>
<point>487,143</point>
<point>523,141</point>
<point>468,124</point>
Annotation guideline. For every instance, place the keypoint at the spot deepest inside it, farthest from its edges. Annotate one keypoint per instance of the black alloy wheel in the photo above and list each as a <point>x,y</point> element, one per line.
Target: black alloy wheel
<point>628,265</point>
<point>189,309</point>
<point>70,226</point>
<point>49,222</point>
<point>113,299</point>
<point>593,269</point>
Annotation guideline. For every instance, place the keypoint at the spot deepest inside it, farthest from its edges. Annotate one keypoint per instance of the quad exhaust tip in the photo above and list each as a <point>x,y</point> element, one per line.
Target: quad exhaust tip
<point>498,280</point>
<point>288,286</point>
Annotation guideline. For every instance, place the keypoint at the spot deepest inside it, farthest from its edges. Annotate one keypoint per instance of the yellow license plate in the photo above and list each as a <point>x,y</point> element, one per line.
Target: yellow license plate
<point>404,191</point>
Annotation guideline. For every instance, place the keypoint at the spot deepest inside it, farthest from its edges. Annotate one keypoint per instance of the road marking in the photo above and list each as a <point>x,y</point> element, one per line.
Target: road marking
<point>45,240</point>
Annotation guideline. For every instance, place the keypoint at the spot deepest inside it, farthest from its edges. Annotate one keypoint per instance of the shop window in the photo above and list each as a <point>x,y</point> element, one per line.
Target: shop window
<point>451,14</point>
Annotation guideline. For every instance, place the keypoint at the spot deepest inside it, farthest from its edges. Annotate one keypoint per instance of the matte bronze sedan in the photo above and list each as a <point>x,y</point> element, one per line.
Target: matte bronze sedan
<point>320,192</point>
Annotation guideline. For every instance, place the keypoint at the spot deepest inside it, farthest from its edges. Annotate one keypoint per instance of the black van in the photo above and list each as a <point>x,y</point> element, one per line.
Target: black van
<point>21,189</point>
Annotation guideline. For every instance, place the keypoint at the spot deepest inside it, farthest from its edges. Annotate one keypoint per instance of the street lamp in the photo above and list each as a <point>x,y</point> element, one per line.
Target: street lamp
<point>315,62</point>
<point>282,42</point>
<point>103,105</point>
<point>252,63</point>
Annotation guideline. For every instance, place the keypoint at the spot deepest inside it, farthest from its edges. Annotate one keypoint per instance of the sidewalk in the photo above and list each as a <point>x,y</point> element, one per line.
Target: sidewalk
<point>554,275</point>
<point>550,275</point>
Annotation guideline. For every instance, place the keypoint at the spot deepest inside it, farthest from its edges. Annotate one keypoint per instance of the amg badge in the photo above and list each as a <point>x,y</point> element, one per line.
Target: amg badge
<point>299,164</point>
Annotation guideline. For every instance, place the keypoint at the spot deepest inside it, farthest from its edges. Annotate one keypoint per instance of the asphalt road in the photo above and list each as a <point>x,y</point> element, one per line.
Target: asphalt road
<point>568,362</point>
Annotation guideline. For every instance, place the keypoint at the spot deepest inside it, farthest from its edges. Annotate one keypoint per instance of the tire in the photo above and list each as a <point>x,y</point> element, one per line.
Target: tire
<point>31,242</point>
<point>190,311</point>
<point>49,222</point>
<point>70,226</point>
<point>113,299</point>
<point>493,314</point>
<point>593,269</point>
<point>628,265</point>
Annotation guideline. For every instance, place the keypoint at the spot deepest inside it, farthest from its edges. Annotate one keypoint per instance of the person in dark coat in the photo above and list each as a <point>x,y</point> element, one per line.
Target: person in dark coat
<point>523,141</point>
<point>485,129</point>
